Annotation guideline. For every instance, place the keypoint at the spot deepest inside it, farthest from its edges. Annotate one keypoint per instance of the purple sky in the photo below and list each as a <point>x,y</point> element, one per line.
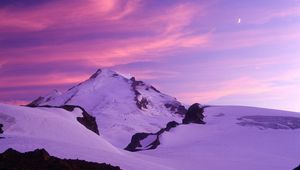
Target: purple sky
<point>197,51</point>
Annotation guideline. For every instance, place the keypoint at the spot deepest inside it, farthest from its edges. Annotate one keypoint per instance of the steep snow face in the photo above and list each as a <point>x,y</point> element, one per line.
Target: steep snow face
<point>58,131</point>
<point>233,138</point>
<point>122,106</point>
<point>51,124</point>
<point>46,98</point>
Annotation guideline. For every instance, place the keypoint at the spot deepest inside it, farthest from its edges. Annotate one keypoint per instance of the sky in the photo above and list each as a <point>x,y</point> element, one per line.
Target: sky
<point>222,52</point>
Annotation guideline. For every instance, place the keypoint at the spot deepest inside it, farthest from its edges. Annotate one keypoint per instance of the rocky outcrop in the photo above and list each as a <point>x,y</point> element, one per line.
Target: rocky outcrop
<point>143,102</point>
<point>95,75</point>
<point>146,141</point>
<point>36,102</point>
<point>297,168</point>
<point>194,114</point>
<point>1,130</point>
<point>171,125</point>
<point>152,139</point>
<point>40,159</point>
<point>176,107</point>
<point>86,120</point>
<point>135,141</point>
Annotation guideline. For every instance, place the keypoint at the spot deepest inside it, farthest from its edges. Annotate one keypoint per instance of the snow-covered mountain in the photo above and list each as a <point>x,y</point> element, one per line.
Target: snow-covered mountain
<point>227,137</point>
<point>121,106</point>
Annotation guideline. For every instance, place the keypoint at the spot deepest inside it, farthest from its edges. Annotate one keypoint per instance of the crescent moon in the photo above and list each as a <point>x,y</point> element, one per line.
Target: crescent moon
<point>239,20</point>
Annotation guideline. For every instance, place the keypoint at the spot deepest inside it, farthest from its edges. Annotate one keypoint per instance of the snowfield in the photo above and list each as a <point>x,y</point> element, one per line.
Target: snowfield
<point>57,130</point>
<point>222,143</point>
<point>232,138</point>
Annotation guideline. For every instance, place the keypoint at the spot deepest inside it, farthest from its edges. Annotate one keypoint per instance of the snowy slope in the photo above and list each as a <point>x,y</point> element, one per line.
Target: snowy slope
<point>52,124</point>
<point>57,131</point>
<point>121,106</point>
<point>233,138</point>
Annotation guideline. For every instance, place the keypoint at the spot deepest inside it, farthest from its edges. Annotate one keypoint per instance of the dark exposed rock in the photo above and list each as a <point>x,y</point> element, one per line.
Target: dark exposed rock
<point>155,143</point>
<point>143,103</point>
<point>181,110</point>
<point>87,120</point>
<point>139,103</point>
<point>115,75</point>
<point>153,88</point>
<point>135,144</point>
<point>176,107</point>
<point>96,74</point>
<point>1,130</point>
<point>194,115</point>
<point>136,82</point>
<point>69,99</point>
<point>1,126</point>
<point>297,168</point>
<point>135,141</point>
<point>40,159</point>
<point>36,102</point>
<point>171,125</point>
<point>74,86</point>
<point>170,106</point>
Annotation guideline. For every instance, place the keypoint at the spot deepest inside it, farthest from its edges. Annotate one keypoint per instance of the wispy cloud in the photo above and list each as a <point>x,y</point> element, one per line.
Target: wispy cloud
<point>202,53</point>
<point>273,86</point>
<point>264,16</point>
<point>164,31</point>
<point>251,38</point>
<point>169,35</point>
<point>243,86</point>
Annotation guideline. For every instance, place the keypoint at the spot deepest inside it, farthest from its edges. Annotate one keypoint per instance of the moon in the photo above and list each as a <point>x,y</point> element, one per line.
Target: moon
<point>239,20</point>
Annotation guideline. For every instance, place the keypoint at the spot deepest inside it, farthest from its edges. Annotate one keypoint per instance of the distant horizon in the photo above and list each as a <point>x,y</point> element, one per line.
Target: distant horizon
<point>187,103</point>
<point>216,52</point>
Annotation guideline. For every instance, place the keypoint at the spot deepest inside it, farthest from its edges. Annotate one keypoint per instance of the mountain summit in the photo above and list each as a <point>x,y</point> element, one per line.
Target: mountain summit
<point>121,106</point>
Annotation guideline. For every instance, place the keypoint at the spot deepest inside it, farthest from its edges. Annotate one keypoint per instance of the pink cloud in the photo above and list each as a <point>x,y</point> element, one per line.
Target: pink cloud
<point>16,102</point>
<point>25,21</point>
<point>41,80</point>
<point>267,15</point>
<point>247,86</point>
<point>169,27</point>
<point>243,85</point>
<point>53,14</point>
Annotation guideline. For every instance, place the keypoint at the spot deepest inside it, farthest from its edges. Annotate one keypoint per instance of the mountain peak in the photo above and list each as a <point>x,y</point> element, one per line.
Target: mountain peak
<point>117,101</point>
<point>104,72</point>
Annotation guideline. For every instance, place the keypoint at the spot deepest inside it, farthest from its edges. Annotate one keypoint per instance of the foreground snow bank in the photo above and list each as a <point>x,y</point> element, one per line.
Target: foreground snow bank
<point>222,143</point>
<point>58,131</point>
